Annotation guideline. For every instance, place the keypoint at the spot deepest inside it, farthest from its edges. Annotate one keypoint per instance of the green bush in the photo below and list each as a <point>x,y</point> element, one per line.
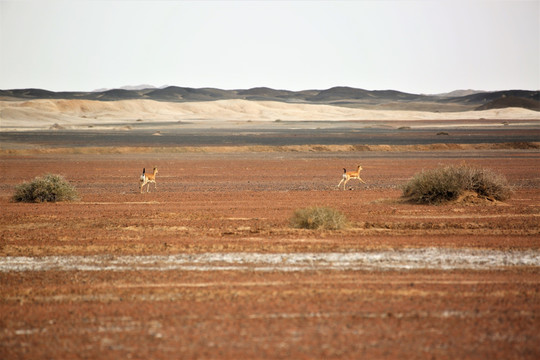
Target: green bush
<point>49,188</point>
<point>448,183</point>
<point>319,218</point>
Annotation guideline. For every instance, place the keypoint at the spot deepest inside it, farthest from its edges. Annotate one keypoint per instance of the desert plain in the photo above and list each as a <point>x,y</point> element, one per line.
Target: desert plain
<point>206,264</point>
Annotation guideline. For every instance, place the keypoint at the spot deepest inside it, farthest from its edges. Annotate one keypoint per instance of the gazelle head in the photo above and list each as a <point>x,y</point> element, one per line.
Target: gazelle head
<point>155,170</point>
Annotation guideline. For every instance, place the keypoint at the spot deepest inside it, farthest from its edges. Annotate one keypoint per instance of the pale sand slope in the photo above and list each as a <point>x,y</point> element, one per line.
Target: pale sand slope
<point>75,113</point>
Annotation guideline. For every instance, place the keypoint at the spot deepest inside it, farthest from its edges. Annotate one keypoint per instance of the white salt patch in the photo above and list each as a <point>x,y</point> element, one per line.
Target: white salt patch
<point>409,259</point>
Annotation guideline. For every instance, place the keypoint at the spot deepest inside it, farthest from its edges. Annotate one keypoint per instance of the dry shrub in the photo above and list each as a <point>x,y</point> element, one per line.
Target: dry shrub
<point>49,188</point>
<point>446,184</point>
<point>321,218</point>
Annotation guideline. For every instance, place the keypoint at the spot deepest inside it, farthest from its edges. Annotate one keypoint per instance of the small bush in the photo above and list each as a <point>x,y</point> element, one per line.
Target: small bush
<point>445,184</point>
<point>49,188</point>
<point>319,218</point>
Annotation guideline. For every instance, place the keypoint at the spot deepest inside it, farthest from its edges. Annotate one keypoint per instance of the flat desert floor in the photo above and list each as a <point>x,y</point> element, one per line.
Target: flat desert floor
<point>208,266</point>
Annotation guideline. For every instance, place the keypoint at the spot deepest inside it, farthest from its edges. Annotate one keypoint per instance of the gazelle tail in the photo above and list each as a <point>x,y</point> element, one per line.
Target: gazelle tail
<point>143,174</point>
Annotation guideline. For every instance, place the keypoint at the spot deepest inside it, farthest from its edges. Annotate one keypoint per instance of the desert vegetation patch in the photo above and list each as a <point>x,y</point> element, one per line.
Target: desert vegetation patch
<point>450,183</point>
<point>48,188</point>
<point>320,218</point>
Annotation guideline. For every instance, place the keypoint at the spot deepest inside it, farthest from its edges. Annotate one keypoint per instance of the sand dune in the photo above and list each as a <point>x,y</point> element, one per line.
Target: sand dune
<point>75,113</point>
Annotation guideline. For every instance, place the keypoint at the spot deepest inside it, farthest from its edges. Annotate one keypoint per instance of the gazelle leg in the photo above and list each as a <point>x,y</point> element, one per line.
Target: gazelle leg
<point>340,182</point>
<point>345,184</point>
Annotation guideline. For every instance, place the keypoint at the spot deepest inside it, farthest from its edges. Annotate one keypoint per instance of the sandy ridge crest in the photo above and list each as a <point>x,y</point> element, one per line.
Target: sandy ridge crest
<point>45,113</point>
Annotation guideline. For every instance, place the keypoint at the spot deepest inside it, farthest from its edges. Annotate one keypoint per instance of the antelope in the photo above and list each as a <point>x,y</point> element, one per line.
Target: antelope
<point>146,179</point>
<point>348,175</point>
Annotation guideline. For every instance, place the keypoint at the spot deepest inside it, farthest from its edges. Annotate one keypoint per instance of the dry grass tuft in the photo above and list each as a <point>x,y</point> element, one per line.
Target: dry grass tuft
<point>448,183</point>
<point>49,188</point>
<point>319,218</point>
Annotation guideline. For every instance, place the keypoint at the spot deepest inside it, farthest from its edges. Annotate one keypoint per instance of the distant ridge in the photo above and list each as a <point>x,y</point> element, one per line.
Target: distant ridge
<point>459,93</point>
<point>340,95</point>
<point>511,101</point>
<point>128,87</point>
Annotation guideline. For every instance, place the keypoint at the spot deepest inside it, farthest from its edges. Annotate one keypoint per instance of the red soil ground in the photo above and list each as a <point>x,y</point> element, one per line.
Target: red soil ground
<point>243,203</point>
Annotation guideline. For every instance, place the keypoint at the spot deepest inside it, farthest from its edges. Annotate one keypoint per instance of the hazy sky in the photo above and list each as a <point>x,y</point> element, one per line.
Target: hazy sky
<point>427,46</point>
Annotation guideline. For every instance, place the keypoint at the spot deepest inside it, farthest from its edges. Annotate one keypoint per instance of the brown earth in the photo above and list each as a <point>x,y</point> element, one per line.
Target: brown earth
<point>242,202</point>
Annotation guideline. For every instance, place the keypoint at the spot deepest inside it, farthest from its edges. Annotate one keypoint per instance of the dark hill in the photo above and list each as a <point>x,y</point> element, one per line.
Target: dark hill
<point>116,94</point>
<point>341,93</point>
<point>264,93</point>
<point>33,94</point>
<point>485,97</point>
<point>511,101</point>
<point>174,93</point>
<point>170,93</point>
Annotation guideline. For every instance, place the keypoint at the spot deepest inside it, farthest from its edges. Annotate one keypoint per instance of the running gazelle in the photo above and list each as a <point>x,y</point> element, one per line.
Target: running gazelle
<point>146,179</point>
<point>348,175</point>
